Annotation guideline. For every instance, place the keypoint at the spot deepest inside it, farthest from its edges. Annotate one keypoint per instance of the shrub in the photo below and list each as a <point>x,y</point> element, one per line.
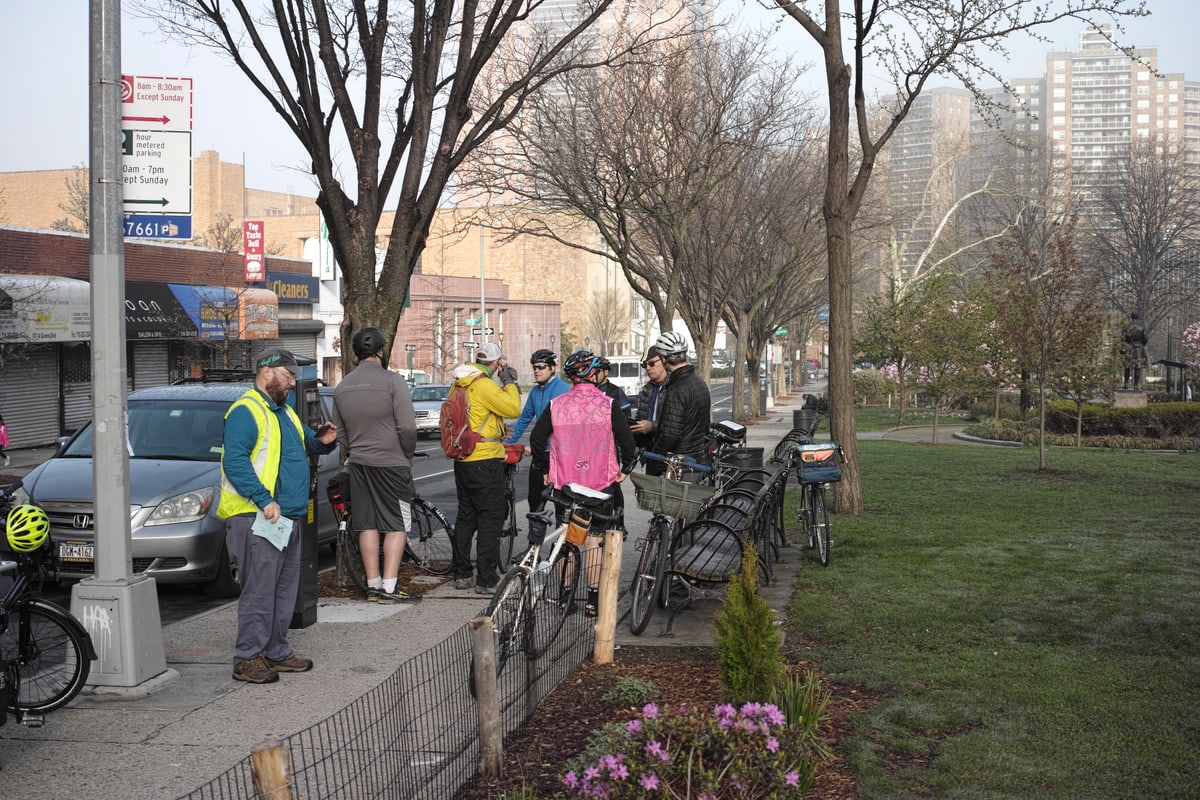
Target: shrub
<point>803,703</point>
<point>632,692</point>
<point>871,387</point>
<point>749,645</point>
<point>745,753</point>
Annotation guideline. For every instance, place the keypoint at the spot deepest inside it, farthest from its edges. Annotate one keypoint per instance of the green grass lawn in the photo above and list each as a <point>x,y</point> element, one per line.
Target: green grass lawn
<point>1033,635</point>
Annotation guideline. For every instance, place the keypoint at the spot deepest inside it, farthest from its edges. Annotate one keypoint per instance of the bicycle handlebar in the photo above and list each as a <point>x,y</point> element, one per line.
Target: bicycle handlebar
<point>562,500</point>
<point>678,460</point>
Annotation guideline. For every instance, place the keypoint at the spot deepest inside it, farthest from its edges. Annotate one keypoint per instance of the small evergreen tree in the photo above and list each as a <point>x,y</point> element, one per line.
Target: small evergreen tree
<point>749,645</point>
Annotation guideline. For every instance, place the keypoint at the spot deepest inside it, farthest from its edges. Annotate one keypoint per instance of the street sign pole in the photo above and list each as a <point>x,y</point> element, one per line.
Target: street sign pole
<point>119,609</point>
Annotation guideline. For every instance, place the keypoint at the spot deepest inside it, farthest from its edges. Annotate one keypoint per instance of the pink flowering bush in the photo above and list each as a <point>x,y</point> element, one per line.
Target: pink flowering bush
<point>745,753</point>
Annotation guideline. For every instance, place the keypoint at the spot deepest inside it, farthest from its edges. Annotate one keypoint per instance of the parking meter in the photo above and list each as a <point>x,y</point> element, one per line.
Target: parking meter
<point>307,403</point>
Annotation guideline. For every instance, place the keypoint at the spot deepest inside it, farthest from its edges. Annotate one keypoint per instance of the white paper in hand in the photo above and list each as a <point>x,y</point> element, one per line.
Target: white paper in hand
<point>277,533</point>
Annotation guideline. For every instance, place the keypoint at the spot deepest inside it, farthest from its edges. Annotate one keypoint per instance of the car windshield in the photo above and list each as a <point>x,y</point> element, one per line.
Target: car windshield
<point>429,393</point>
<point>167,429</point>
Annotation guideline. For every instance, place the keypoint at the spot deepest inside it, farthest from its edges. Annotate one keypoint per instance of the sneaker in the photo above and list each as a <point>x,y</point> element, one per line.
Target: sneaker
<point>463,583</point>
<point>7,461</point>
<point>292,663</point>
<point>398,596</point>
<point>255,670</point>
<point>483,588</point>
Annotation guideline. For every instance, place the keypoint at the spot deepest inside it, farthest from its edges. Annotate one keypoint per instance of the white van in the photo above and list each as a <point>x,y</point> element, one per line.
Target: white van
<point>627,373</point>
<point>417,377</point>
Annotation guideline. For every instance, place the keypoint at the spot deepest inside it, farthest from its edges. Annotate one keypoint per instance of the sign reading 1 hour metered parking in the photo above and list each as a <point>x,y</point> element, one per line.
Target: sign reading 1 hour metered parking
<point>156,148</point>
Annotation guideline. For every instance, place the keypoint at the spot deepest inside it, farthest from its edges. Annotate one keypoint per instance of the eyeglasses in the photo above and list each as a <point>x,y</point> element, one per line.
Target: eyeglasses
<point>541,366</point>
<point>653,363</point>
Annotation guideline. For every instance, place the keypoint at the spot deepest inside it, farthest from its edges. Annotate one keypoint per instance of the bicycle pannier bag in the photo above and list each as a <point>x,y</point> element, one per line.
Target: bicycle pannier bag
<point>454,422</point>
<point>818,463</point>
<point>577,531</point>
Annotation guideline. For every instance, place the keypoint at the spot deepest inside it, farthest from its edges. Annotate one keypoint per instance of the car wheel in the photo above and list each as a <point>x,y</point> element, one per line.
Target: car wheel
<point>225,583</point>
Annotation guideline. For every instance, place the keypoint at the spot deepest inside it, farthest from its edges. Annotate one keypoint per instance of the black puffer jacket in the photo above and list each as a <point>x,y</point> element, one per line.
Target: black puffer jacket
<point>685,414</point>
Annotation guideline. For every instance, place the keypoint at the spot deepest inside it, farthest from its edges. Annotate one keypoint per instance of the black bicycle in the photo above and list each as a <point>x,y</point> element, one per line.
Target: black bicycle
<point>45,653</point>
<point>509,530</point>
<point>428,544</point>
<point>673,503</point>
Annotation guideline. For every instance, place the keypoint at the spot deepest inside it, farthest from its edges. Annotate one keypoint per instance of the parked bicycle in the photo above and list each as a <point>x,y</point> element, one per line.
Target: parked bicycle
<point>537,594</point>
<point>672,502</point>
<point>428,544</point>
<point>45,654</point>
<point>816,466</point>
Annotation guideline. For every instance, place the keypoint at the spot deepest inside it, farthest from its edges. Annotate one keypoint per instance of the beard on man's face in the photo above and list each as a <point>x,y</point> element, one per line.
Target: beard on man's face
<point>277,388</point>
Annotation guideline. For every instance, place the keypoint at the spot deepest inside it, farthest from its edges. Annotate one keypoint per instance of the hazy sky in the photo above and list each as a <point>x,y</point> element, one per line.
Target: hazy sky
<point>44,51</point>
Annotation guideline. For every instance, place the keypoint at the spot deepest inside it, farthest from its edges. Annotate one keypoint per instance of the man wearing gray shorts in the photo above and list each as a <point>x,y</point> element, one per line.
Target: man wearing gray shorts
<point>373,412</point>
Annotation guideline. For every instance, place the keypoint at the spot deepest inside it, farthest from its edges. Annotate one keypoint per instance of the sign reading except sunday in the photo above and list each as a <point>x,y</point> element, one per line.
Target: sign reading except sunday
<point>156,150</point>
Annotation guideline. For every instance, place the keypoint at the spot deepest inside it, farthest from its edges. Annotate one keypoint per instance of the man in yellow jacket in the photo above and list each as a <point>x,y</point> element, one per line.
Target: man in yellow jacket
<point>479,478</point>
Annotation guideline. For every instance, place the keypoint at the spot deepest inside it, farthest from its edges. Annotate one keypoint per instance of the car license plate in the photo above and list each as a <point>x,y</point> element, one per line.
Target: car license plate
<point>76,552</point>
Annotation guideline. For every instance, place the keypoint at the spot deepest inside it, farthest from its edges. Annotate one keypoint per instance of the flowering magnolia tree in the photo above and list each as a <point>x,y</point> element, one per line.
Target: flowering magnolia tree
<point>747,753</point>
<point>1190,342</point>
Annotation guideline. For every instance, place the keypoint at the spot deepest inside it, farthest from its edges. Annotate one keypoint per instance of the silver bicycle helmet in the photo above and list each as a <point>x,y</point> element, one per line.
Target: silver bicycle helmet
<point>670,343</point>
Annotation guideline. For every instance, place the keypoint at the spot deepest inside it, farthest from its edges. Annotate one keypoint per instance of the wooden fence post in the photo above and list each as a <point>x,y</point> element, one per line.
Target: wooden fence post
<point>272,770</point>
<point>487,698</point>
<point>610,580</point>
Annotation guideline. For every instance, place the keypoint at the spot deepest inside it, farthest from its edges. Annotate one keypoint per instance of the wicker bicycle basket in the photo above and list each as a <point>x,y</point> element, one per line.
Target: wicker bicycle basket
<point>658,494</point>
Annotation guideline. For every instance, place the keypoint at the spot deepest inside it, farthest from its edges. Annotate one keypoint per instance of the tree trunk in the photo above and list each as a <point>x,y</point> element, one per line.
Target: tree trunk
<point>838,216</point>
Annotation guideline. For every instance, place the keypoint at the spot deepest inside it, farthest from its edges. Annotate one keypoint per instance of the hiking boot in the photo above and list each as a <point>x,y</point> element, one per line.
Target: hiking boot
<point>483,588</point>
<point>255,670</point>
<point>292,663</point>
<point>463,583</point>
<point>398,596</point>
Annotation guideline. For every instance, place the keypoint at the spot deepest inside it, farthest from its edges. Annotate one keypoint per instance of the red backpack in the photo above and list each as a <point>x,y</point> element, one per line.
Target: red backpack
<point>458,438</point>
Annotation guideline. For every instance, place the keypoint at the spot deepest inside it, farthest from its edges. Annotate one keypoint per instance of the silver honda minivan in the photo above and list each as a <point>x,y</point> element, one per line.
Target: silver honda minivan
<point>174,442</point>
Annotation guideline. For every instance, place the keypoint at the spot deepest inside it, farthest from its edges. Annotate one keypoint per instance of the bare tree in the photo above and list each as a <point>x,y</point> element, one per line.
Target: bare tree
<point>1147,232</point>
<point>403,94</point>
<point>78,203</point>
<point>913,40</point>
<point>638,151</point>
<point>608,319</point>
<point>1047,304</point>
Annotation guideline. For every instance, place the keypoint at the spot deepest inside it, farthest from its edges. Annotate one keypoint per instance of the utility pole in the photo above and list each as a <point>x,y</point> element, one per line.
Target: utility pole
<point>118,609</point>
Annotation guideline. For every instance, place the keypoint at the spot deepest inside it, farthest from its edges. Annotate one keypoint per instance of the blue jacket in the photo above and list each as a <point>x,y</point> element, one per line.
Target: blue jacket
<point>539,400</point>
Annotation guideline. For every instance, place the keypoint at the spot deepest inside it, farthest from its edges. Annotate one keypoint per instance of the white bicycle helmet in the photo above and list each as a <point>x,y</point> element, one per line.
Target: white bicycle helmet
<point>670,343</point>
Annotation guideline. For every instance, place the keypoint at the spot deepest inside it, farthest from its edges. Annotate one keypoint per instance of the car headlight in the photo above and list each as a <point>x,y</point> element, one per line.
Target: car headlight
<point>186,507</point>
<point>20,496</point>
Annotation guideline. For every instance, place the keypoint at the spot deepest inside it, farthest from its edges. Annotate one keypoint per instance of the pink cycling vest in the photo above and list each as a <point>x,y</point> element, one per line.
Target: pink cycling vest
<point>582,449</point>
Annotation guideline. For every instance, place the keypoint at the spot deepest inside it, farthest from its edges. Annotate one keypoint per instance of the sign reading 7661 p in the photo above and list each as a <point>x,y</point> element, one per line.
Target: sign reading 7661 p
<point>156,145</point>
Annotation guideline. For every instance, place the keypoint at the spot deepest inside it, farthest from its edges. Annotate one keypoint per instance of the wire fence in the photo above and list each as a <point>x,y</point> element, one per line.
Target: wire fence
<point>416,735</point>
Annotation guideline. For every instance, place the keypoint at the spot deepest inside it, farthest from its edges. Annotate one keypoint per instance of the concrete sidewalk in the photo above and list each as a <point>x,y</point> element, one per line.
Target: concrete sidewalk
<point>200,722</point>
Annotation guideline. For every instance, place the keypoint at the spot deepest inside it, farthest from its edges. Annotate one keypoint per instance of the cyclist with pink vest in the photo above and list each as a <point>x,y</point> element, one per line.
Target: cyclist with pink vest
<point>584,438</point>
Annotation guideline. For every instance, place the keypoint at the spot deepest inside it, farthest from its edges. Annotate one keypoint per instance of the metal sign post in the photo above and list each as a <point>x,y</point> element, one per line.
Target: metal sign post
<point>118,609</point>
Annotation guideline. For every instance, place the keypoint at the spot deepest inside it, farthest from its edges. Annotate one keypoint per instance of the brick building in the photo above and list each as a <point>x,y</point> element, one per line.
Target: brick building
<point>186,309</point>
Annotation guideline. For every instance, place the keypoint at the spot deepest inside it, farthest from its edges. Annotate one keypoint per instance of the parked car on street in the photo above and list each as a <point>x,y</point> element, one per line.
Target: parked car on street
<point>175,440</point>
<point>427,404</point>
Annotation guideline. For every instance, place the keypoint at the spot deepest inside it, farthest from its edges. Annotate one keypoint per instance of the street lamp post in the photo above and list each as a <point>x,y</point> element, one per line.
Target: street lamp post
<point>482,293</point>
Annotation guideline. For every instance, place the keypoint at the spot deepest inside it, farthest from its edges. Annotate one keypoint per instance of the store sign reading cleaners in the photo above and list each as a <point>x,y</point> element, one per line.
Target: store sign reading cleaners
<point>252,246</point>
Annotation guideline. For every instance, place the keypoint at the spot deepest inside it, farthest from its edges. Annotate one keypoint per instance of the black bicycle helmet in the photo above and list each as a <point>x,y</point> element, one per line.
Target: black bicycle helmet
<point>28,528</point>
<point>544,357</point>
<point>369,342</point>
<point>581,364</point>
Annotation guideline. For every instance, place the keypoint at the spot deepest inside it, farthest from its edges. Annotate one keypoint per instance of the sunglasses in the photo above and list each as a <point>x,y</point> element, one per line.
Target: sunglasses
<point>541,366</point>
<point>652,363</point>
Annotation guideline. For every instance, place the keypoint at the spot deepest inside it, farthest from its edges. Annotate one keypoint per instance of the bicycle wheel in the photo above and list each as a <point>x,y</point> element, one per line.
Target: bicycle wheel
<point>820,515</point>
<point>508,532</point>
<point>644,591</point>
<point>429,541</point>
<point>350,559</point>
<point>553,598</point>
<point>509,610</point>
<point>51,655</point>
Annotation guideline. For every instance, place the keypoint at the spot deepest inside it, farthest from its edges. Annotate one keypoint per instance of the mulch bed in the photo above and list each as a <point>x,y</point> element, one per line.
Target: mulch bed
<point>535,755</point>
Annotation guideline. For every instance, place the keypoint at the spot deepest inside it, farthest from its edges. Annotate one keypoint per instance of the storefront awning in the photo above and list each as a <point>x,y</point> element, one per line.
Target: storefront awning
<point>44,308</point>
